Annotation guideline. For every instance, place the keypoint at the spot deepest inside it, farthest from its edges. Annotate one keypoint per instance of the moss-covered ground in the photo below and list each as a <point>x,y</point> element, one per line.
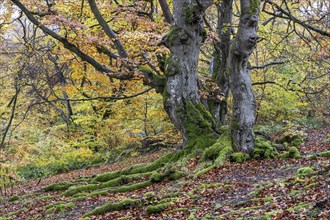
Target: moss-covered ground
<point>215,184</point>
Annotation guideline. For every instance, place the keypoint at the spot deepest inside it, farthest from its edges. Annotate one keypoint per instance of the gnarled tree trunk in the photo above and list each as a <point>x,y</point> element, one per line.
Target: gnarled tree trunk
<point>243,99</point>
<point>181,98</point>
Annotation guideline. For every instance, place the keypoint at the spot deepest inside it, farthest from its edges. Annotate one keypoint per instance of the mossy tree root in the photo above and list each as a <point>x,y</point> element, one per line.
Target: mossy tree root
<point>108,207</point>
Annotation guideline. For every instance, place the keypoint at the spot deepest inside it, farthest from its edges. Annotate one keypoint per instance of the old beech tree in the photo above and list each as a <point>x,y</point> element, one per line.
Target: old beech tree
<point>198,120</point>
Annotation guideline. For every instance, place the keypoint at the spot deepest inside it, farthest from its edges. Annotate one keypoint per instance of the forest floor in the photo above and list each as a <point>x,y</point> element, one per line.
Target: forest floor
<point>255,189</point>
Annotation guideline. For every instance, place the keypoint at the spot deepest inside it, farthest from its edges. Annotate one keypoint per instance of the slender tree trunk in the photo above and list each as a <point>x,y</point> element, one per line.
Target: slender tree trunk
<point>219,107</point>
<point>181,98</point>
<point>13,102</point>
<point>244,106</point>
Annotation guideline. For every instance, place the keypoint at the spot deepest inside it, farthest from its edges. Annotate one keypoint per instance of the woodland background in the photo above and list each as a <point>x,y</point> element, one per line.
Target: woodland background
<point>57,113</point>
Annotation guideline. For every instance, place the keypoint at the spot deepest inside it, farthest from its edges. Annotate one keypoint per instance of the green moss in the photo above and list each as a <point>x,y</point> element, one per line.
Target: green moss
<point>79,189</point>
<point>311,157</point>
<point>108,207</point>
<point>59,207</point>
<point>13,198</point>
<point>297,141</point>
<point>140,170</point>
<point>203,171</point>
<point>198,126</point>
<point>104,177</point>
<point>191,13</point>
<point>294,140</point>
<point>58,186</point>
<point>254,4</point>
<point>310,186</point>
<point>149,195</point>
<point>326,139</point>
<point>151,209</point>
<point>46,197</point>
<point>217,153</point>
<point>207,186</point>
<point>304,171</point>
<point>80,195</point>
<point>176,175</point>
<point>301,205</point>
<point>157,177</point>
<point>103,192</point>
<point>172,34</point>
<point>124,179</point>
<point>263,148</point>
<point>178,210</point>
<point>292,153</point>
<point>294,192</point>
<point>297,181</point>
<point>171,65</point>
<point>239,157</point>
<point>145,70</point>
<point>221,149</point>
<point>206,114</point>
<point>133,187</point>
<point>325,154</point>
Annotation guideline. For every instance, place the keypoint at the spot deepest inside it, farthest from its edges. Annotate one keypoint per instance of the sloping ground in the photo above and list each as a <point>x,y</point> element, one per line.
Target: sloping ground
<point>255,189</point>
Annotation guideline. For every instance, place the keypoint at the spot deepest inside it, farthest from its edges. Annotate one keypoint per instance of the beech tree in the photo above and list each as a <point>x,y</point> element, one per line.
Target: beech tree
<point>198,120</point>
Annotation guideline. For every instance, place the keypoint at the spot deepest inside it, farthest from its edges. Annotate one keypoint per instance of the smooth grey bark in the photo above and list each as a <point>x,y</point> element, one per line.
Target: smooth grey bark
<point>220,74</point>
<point>244,105</point>
<point>184,41</point>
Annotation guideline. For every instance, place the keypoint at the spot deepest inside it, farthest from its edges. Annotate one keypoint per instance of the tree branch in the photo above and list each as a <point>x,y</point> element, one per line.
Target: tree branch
<point>104,97</point>
<point>109,32</point>
<point>294,19</point>
<point>166,11</point>
<point>263,83</point>
<point>267,64</point>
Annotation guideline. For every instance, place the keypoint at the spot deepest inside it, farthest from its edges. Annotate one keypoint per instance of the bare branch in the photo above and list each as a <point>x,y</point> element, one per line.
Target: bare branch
<point>104,97</point>
<point>109,32</point>
<point>267,65</point>
<point>294,19</point>
<point>166,11</point>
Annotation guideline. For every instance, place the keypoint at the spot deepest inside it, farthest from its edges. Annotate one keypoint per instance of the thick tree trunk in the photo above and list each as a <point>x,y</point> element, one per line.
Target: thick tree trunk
<point>243,99</point>
<point>181,98</point>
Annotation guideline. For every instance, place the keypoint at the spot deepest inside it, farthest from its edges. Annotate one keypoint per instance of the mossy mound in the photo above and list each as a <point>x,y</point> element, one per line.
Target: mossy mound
<point>292,153</point>
<point>239,157</point>
<point>264,149</point>
<point>217,154</point>
<point>292,140</point>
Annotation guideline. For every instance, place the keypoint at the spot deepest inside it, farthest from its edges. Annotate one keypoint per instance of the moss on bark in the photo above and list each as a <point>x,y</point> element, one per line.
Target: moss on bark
<point>199,126</point>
